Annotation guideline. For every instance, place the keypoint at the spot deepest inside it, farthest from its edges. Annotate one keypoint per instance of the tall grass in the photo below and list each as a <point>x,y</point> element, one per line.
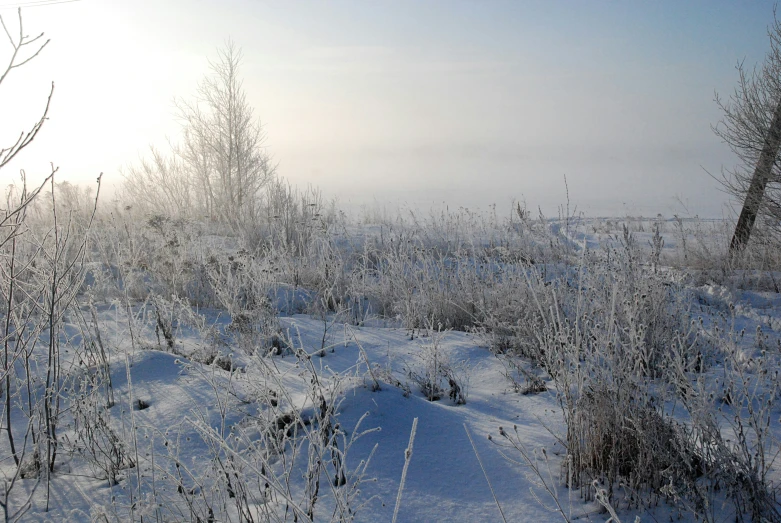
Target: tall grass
<point>608,324</point>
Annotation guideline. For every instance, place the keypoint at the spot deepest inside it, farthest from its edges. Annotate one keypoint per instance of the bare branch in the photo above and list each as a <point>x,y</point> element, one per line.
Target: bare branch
<point>8,154</point>
<point>18,45</point>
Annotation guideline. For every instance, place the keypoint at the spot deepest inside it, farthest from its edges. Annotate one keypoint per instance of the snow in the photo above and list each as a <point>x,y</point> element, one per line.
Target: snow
<point>446,479</point>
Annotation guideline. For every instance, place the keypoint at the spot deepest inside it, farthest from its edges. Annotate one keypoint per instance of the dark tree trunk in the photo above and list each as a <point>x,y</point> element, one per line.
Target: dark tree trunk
<point>756,190</point>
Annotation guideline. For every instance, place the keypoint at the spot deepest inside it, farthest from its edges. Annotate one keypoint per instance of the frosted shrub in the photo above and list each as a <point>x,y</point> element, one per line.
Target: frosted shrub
<point>440,375</point>
<point>95,440</point>
<point>734,421</point>
<point>602,330</point>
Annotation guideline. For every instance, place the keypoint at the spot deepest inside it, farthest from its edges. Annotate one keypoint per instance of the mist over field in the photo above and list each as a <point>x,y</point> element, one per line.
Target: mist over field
<point>390,261</point>
<point>413,103</point>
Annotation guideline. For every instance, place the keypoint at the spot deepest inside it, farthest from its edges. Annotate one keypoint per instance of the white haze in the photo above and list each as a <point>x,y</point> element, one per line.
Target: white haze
<point>406,103</point>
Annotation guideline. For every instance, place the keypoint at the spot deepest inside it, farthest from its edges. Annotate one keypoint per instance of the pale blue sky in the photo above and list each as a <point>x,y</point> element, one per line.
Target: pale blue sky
<point>468,103</point>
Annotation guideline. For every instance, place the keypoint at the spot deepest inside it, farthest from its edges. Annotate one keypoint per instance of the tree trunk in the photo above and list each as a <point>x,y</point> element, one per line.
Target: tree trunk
<point>756,190</point>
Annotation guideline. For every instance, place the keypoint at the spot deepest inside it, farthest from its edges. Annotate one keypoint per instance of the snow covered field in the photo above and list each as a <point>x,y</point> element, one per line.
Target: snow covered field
<point>521,370</point>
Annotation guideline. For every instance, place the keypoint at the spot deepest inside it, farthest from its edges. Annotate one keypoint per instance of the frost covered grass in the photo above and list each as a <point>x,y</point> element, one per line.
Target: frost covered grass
<point>601,367</point>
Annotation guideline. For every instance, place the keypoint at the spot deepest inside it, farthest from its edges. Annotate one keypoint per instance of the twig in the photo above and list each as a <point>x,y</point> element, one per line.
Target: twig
<point>407,459</point>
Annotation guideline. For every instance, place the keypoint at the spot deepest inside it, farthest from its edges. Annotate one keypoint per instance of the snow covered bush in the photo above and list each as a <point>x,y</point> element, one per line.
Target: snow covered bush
<point>95,440</point>
<point>440,375</point>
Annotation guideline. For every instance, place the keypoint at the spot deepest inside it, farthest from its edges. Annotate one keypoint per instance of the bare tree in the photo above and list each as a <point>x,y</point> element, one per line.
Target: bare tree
<point>223,142</point>
<point>221,165</point>
<point>751,126</point>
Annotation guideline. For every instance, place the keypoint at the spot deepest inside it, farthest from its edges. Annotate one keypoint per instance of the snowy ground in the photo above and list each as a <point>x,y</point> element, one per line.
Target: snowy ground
<point>444,481</point>
<point>448,479</point>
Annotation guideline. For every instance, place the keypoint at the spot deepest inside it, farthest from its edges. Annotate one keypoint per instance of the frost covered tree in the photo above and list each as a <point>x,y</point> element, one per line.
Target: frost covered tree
<point>751,126</point>
<point>221,164</point>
